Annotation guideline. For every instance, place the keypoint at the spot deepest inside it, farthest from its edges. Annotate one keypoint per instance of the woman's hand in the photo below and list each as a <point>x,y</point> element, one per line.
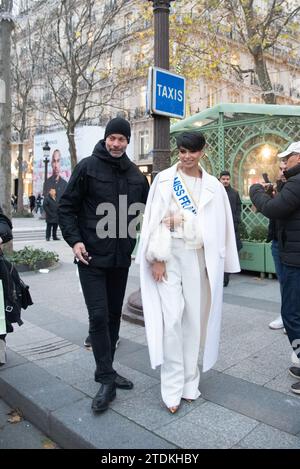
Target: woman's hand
<point>159,271</point>
<point>173,221</point>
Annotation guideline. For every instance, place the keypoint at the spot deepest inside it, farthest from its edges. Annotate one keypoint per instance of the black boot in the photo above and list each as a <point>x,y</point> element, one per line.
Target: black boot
<point>123,383</point>
<point>104,396</point>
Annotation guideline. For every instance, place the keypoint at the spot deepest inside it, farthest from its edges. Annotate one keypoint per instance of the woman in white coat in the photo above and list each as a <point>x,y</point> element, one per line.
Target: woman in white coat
<point>187,241</point>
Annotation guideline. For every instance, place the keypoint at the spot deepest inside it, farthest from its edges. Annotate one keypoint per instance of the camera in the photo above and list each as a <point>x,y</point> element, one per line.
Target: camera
<point>269,189</point>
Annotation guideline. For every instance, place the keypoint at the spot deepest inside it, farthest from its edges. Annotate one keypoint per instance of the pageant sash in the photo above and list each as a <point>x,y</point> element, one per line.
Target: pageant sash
<point>182,195</point>
<point>2,311</point>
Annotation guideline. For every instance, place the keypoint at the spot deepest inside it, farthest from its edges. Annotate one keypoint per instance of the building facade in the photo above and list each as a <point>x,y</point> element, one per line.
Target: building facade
<point>125,53</point>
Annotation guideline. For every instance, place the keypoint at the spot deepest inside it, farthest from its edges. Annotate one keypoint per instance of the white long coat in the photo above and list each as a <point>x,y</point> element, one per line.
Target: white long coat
<point>220,254</point>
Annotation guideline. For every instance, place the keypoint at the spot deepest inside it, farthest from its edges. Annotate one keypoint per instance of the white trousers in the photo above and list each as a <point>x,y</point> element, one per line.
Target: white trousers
<point>184,298</point>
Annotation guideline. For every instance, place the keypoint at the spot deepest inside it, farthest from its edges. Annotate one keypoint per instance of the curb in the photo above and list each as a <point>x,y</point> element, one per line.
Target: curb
<point>37,406</point>
<point>64,414</point>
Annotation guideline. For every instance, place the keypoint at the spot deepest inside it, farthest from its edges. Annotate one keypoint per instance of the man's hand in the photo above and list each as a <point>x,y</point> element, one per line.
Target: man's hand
<point>81,253</point>
<point>159,271</point>
<point>269,189</point>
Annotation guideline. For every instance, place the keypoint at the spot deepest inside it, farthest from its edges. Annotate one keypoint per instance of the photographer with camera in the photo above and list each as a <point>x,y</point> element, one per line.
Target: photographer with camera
<point>273,238</point>
<point>285,208</point>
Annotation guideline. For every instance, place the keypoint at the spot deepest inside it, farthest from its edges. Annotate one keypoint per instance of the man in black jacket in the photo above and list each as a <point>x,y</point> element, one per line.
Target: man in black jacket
<point>97,216</point>
<point>285,207</point>
<point>235,204</point>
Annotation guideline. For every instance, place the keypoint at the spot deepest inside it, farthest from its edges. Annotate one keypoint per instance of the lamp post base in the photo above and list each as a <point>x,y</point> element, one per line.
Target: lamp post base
<point>133,310</point>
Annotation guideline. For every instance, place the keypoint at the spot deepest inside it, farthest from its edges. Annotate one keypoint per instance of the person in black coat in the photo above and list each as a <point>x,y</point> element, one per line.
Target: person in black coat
<point>236,208</point>
<point>32,201</point>
<point>98,219</point>
<point>5,236</point>
<point>285,208</point>
<point>51,209</point>
<point>273,238</point>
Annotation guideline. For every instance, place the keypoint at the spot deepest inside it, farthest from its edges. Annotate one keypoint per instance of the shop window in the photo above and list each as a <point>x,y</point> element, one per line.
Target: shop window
<point>144,144</point>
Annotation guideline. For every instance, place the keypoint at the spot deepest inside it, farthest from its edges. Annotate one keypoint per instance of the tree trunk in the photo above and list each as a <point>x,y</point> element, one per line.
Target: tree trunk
<point>72,146</point>
<point>20,208</point>
<point>5,116</point>
<point>263,76</point>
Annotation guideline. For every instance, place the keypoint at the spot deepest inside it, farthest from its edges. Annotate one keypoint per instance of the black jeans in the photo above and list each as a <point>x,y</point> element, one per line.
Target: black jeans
<point>290,304</point>
<point>54,227</point>
<point>103,291</point>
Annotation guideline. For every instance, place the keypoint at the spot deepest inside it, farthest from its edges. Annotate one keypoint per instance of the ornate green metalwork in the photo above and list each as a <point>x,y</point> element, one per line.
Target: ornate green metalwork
<point>233,132</point>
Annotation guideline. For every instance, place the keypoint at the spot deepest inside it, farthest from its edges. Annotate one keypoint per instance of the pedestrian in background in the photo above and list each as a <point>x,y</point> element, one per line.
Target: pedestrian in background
<point>39,204</point>
<point>187,238</point>
<point>273,238</point>
<point>51,209</point>
<point>32,202</point>
<point>236,209</point>
<point>285,207</point>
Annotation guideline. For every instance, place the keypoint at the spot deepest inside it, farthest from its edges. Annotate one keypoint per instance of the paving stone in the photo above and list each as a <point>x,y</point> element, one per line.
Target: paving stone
<point>141,381</point>
<point>246,370</point>
<point>260,403</point>
<point>139,360</point>
<point>70,372</point>
<point>148,410</point>
<point>266,437</point>
<point>77,427</point>
<point>13,359</point>
<point>282,383</point>
<point>4,409</point>
<point>208,426</point>
<point>22,435</point>
<point>127,347</point>
<point>35,392</point>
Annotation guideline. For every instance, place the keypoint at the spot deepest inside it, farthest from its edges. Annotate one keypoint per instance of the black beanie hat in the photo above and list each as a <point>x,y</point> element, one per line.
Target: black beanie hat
<point>118,126</point>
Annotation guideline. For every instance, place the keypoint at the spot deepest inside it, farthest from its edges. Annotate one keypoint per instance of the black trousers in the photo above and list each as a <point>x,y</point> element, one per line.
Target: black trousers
<point>103,291</point>
<point>52,226</point>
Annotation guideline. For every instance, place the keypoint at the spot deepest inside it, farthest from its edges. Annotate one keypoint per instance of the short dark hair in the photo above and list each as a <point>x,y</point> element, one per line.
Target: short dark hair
<point>193,141</point>
<point>224,173</point>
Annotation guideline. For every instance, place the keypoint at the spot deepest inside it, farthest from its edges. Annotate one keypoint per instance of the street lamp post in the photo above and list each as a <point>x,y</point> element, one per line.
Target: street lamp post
<point>46,152</point>
<point>161,125</point>
<point>133,311</point>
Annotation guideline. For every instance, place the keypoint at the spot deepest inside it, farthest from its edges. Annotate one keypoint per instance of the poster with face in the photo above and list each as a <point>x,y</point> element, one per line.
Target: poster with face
<point>59,166</point>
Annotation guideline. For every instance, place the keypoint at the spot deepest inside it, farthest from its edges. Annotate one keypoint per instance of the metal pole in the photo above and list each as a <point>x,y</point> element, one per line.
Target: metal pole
<point>46,161</point>
<point>161,125</point>
<point>133,311</point>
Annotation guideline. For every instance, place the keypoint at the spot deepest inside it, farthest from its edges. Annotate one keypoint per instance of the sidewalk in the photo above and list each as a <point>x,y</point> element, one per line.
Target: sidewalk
<point>245,402</point>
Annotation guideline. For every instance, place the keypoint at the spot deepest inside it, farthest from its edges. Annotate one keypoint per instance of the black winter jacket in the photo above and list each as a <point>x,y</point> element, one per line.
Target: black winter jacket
<point>236,208</point>
<point>99,179</point>
<point>50,206</point>
<point>285,207</point>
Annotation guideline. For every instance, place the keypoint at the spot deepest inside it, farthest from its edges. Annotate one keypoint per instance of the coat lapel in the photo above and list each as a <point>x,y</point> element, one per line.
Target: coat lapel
<point>208,189</point>
<point>166,184</point>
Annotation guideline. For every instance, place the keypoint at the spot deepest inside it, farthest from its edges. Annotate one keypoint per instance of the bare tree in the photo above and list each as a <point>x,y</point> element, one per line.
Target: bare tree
<point>26,43</point>
<point>260,29</point>
<point>77,59</point>
<point>6,26</point>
